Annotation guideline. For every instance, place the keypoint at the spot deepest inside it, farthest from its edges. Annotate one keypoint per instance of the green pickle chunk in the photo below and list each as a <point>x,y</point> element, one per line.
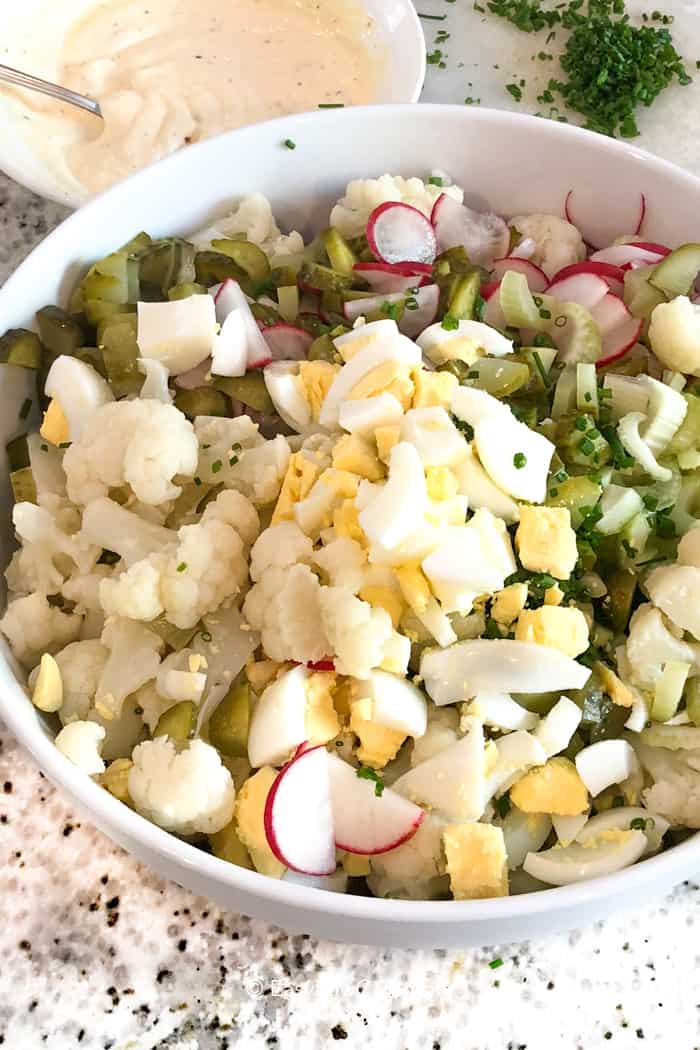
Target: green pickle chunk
<point>228,726</point>
<point>178,722</point>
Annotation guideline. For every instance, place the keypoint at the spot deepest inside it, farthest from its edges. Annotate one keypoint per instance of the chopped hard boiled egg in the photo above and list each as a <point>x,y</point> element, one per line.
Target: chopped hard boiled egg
<point>476,861</point>
<point>249,821</point>
<point>433,388</point>
<point>546,542</point>
<point>466,342</point>
<point>554,788</point>
<point>509,603</point>
<point>378,743</point>
<point>179,333</point>
<point>556,626</point>
<point>301,474</point>
<point>515,458</point>
<point>398,508</point>
<point>354,453</point>
<point>365,416</point>
<point>434,436</point>
<point>77,391</point>
<point>287,393</point>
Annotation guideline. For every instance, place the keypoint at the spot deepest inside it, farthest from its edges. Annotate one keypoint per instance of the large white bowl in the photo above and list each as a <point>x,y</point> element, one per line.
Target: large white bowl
<point>513,164</point>
<point>31,35</point>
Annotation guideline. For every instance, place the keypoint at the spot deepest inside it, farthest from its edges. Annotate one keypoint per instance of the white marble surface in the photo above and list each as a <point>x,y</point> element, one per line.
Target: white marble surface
<point>96,952</point>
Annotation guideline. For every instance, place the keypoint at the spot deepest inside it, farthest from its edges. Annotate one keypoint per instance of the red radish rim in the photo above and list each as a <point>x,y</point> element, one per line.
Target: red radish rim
<point>385,849</point>
<point>600,269</point>
<point>609,359</point>
<point>377,213</point>
<point>650,246</point>
<point>525,266</point>
<point>488,289</point>
<point>399,269</point>
<point>436,205</point>
<point>321,665</point>
<point>642,212</point>
<point>270,835</point>
<point>227,280</point>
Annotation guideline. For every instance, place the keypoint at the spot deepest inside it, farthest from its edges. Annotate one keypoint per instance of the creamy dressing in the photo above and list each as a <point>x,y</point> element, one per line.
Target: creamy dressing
<point>171,72</point>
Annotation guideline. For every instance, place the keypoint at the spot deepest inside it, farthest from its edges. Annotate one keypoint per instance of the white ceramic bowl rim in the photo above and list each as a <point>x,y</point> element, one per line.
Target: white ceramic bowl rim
<point>109,814</point>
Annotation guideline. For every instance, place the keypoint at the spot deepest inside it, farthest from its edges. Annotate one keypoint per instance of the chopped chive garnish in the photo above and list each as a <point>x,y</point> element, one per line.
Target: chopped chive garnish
<point>411,303</point>
<point>435,180</point>
<point>519,460</point>
<point>44,448</point>
<point>182,566</point>
<point>391,310</point>
<point>206,636</point>
<point>198,481</point>
<point>432,18</point>
<point>331,105</point>
<point>450,323</point>
<point>233,460</point>
<point>290,144</point>
<point>540,366</point>
<point>515,91</point>
<point>26,408</point>
<point>581,423</point>
<point>216,466</point>
<point>367,773</point>
<point>495,964</point>
<point>64,444</point>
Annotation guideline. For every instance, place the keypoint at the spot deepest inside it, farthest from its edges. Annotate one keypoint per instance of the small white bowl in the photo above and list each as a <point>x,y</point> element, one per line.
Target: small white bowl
<point>31,33</point>
<point>511,163</point>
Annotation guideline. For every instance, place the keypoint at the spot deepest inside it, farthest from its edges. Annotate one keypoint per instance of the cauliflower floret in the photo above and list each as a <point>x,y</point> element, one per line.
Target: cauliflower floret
<point>33,627</point>
<point>358,634</point>
<point>152,704</point>
<point>675,791</point>
<point>181,676</point>
<point>414,870</point>
<point>253,219</point>
<point>344,562</point>
<point>191,579</point>
<point>362,196</point>
<point>284,606</point>
<point>258,472</point>
<point>81,743</point>
<point>278,547</point>
<point>557,242</point>
<point>81,665</point>
<point>674,334</point>
<point>186,791</point>
<point>134,658</point>
<point>675,589</point>
<point>650,644</point>
<point>140,443</point>
<point>51,549</point>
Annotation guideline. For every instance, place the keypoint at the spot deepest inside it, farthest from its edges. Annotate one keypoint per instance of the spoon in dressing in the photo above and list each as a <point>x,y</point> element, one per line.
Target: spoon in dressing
<point>45,87</point>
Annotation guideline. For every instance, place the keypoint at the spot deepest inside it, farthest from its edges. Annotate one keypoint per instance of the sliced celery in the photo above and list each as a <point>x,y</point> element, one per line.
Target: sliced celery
<point>668,690</point>
<point>676,273</point>
<point>586,388</point>
<point>564,392</point>
<point>340,255</point>
<point>518,304</point>
<point>59,332</point>
<point>688,434</point>
<point>640,296</point>
<point>575,332</point>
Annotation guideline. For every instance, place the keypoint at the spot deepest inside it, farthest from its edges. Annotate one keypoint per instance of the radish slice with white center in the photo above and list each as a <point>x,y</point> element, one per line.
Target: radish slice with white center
<point>584,288</point>
<point>536,279</point>
<point>651,246</point>
<point>364,821</point>
<point>563,865</point>
<point>229,296</point>
<point>197,376</point>
<point>298,814</point>
<point>614,276</point>
<point>601,225</point>
<point>384,278</point>
<point>618,328</point>
<point>626,255</point>
<point>229,356</point>
<point>397,233</point>
<point>483,235</point>
<point>287,342</point>
<point>609,313</point>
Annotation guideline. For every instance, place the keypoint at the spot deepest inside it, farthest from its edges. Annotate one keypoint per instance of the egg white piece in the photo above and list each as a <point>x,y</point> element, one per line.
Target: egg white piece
<point>229,356</point>
<point>433,434</point>
<point>605,763</point>
<point>397,510</point>
<point>477,486</point>
<point>472,405</point>
<point>396,703</point>
<point>365,415</point>
<point>179,333</point>
<point>501,711</point>
<point>282,384</point>
<point>278,722</point>
<point>79,389</point>
<point>462,343</point>
<point>561,866</point>
<point>452,781</point>
<point>558,726</point>
<point>516,458</point>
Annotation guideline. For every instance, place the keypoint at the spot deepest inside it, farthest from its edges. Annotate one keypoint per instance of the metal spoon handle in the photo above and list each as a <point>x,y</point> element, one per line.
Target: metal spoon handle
<point>26,80</point>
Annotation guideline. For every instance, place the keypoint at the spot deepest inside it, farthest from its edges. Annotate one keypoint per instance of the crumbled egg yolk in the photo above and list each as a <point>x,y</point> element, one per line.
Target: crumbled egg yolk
<point>249,816</point>
<point>354,453</point>
<point>449,511</point>
<point>386,437</point>
<point>316,378</point>
<point>441,483</point>
<point>54,427</point>
<point>460,348</point>
<point>355,864</point>
<point>343,696</point>
<point>301,474</point>
<point>391,377</point>
<point>378,744</point>
<point>433,388</point>
<point>509,603</point>
<point>616,689</point>
<point>546,542</point>
<point>320,719</point>
<point>555,788</point>
<point>555,626</point>
<point>115,779</point>
<point>261,672</point>
<point>414,587</point>
<point>346,521</point>
<point>554,595</point>
<point>384,598</point>
<point>476,860</point>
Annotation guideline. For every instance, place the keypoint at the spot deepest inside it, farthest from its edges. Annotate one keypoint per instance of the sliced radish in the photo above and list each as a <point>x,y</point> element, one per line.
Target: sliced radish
<point>652,246</point>
<point>583,288</point>
<point>599,226</point>
<point>384,278</point>
<point>610,313</point>
<point>298,814</point>
<point>627,255</point>
<point>483,235</point>
<point>536,279</point>
<point>397,233</point>
<point>364,821</point>
<point>613,275</point>
<point>493,314</point>
<point>287,342</point>
<point>230,351</point>
<point>619,330</point>
<point>321,665</point>
<point>229,297</point>
<point>413,321</point>
<point>196,376</point>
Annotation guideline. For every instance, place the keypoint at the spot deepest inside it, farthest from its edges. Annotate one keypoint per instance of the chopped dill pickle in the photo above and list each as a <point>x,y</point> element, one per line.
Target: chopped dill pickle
<point>247,256</point>
<point>59,332</point>
<point>228,726</point>
<point>18,346</point>
<point>165,264</point>
<point>178,722</point>
<point>202,401</point>
<point>250,389</point>
<point>340,254</point>
<point>184,291</point>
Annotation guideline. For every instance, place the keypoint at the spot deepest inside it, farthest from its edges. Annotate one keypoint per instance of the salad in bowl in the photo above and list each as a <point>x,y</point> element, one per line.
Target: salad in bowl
<point>372,562</point>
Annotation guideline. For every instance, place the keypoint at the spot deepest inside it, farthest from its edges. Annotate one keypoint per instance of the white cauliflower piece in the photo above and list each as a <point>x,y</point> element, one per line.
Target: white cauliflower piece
<point>675,791</point>
<point>32,626</point>
<point>674,334</point>
<point>362,196</point>
<point>252,219</point>
<point>140,443</point>
<point>358,634</point>
<point>284,606</point>
<point>187,792</point>
<point>134,658</point>
<point>123,531</point>
<point>415,870</point>
<point>51,549</point>
<point>675,589</point>
<point>188,580</point>
<point>81,665</point>
<point>344,562</point>
<point>557,242</point>
<point>259,471</point>
<point>278,547</point>
<point>81,743</point>
<point>650,644</point>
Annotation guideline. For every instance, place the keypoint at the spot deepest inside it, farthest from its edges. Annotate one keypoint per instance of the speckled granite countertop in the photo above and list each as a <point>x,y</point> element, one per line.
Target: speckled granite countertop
<point>96,952</point>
